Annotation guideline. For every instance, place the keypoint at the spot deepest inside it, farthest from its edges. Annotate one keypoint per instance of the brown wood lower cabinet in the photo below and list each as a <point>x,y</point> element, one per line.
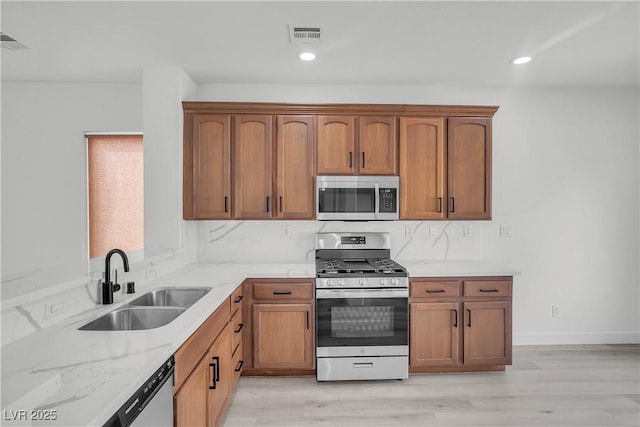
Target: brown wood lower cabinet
<point>206,369</point>
<point>280,327</point>
<point>460,324</point>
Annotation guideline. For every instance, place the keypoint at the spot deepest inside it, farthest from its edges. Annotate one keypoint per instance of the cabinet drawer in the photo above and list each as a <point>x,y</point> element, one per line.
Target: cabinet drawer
<point>433,289</point>
<point>282,291</point>
<point>237,328</point>
<point>487,288</point>
<point>237,364</point>
<point>236,299</point>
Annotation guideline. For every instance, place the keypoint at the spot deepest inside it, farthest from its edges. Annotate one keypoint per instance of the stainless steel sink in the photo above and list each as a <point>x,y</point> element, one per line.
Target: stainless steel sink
<point>171,297</point>
<point>134,318</point>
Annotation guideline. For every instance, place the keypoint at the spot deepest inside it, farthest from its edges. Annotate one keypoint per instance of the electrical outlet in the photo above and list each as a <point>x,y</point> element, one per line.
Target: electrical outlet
<point>286,231</point>
<point>505,231</point>
<point>555,311</point>
<point>467,230</point>
<point>409,230</point>
<point>54,308</point>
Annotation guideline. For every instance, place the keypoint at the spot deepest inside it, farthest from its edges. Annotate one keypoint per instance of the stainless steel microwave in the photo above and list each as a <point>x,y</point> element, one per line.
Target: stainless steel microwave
<point>357,198</point>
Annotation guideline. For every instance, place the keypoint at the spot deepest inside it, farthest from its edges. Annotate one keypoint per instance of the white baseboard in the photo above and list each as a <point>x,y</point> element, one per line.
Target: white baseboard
<point>576,338</point>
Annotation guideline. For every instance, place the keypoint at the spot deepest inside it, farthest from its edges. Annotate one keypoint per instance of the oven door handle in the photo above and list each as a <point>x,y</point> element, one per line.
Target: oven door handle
<point>362,293</point>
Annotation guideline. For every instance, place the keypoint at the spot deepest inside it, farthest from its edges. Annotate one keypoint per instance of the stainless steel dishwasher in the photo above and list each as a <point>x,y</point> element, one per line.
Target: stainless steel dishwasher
<point>152,404</point>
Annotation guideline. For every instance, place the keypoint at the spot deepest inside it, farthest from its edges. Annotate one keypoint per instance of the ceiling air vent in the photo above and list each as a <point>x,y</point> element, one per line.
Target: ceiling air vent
<point>299,34</point>
<point>9,43</point>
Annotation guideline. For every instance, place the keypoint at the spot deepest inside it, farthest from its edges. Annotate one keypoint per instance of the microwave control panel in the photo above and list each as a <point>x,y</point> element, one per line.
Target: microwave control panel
<point>388,200</point>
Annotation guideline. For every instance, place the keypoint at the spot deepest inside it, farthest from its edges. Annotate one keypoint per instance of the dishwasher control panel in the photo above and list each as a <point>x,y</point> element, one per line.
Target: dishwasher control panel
<point>137,402</point>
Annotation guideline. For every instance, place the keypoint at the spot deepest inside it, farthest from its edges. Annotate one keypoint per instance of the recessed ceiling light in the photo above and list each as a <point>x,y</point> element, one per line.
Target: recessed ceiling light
<point>521,60</point>
<point>307,56</point>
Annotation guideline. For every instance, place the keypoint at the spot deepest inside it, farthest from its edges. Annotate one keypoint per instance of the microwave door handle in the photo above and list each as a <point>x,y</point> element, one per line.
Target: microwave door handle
<point>376,208</point>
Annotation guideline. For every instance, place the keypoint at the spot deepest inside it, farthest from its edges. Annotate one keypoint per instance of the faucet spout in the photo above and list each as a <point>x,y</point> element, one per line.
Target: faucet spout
<point>107,285</point>
<point>107,263</point>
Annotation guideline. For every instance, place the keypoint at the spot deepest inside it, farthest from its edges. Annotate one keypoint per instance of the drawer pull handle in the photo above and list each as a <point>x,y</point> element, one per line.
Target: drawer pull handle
<point>363,365</point>
<point>455,318</point>
<point>435,291</point>
<point>239,328</point>
<point>238,299</point>
<point>239,367</point>
<point>282,292</point>
<point>489,290</point>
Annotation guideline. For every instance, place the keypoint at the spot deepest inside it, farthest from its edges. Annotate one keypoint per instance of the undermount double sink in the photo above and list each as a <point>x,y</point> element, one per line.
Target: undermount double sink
<point>151,310</point>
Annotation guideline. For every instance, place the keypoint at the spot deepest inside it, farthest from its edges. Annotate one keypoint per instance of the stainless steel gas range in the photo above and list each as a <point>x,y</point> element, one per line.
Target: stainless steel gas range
<point>361,308</point>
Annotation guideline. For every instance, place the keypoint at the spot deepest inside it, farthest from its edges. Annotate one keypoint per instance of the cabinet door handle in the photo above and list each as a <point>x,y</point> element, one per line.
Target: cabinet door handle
<point>238,299</point>
<point>239,328</point>
<point>489,290</point>
<point>455,318</point>
<point>435,291</point>
<point>239,367</point>
<point>439,204</point>
<point>468,318</point>
<point>280,203</point>
<point>267,203</point>
<point>282,292</point>
<point>215,372</point>
<point>350,159</point>
<point>452,204</point>
<point>226,208</point>
<point>307,319</point>
<point>363,160</point>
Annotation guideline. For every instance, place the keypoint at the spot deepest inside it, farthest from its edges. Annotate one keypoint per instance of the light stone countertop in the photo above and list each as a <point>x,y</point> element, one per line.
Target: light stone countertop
<point>85,376</point>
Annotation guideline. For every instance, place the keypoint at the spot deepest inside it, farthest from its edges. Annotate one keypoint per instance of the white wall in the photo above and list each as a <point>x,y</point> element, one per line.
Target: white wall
<point>565,178</point>
<point>44,190</point>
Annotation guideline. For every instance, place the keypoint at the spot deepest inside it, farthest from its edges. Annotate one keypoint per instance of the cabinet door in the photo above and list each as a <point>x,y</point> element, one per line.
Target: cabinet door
<point>377,146</point>
<point>435,334</point>
<point>469,168</point>
<point>190,402</point>
<point>487,333</point>
<point>422,168</point>
<point>207,167</point>
<point>220,378</point>
<point>294,163</point>
<point>336,145</point>
<point>252,165</point>
<point>282,336</point>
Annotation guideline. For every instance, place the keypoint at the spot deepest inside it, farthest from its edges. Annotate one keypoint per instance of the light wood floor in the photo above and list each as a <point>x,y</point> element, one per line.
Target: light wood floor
<point>588,385</point>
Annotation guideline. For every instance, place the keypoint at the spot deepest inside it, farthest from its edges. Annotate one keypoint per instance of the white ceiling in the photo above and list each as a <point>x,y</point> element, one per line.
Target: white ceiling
<point>453,43</point>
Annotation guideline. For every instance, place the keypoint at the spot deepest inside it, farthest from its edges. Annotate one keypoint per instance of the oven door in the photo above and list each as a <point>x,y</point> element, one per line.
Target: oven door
<point>362,322</point>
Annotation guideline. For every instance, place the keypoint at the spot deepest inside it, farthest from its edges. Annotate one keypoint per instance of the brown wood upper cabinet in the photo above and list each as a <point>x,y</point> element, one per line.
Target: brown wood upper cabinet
<point>372,150</point>
<point>294,165</point>
<point>253,147</point>
<point>207,166</point>
<point>445,168</point>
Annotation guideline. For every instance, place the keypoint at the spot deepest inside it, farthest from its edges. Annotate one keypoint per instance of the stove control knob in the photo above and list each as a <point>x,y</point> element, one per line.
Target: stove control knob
<point>330,282</point>
<point>384,282</point>
<point>363,282</point>
<point>395,282</point>
<point>340,282</point>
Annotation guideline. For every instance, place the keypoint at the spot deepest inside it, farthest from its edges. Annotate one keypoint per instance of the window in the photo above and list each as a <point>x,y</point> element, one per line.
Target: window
<point>116,195</point>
